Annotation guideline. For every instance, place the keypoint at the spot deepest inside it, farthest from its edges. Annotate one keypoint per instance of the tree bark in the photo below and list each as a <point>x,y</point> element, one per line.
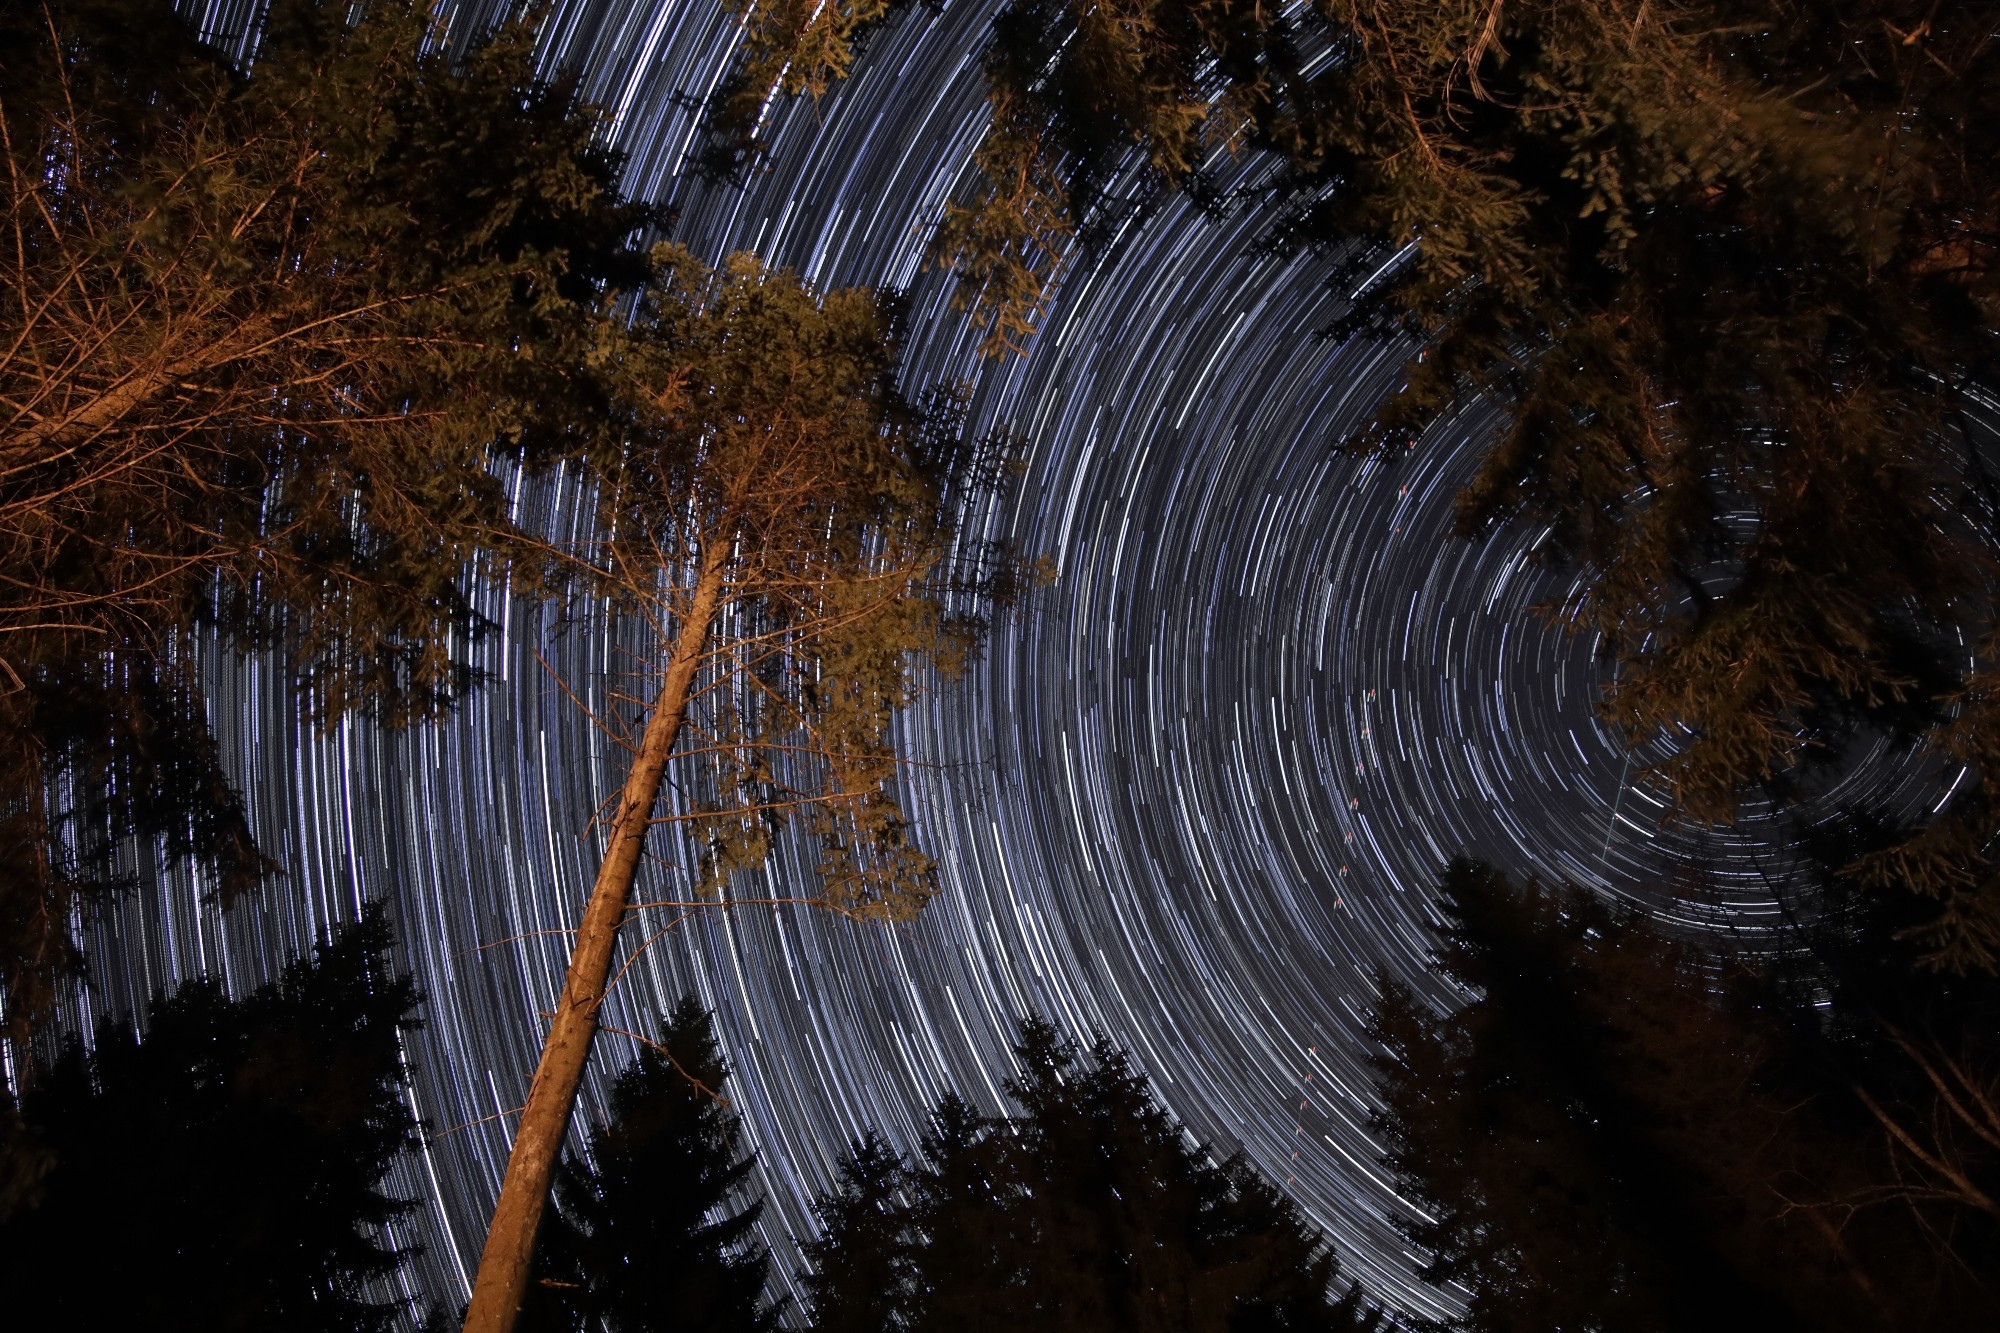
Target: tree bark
<point>502,1280</point>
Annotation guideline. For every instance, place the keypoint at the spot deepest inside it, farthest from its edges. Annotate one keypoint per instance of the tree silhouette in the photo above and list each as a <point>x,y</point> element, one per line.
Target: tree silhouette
<point>1612,1131</point>
<point>645,1233</point>
<point>1090,1209</point>
<point>861,1271</point>
<point>224,1170</point>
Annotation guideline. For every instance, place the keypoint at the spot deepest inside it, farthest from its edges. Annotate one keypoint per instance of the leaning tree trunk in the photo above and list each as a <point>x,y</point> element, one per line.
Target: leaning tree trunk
<point>510,1241</point>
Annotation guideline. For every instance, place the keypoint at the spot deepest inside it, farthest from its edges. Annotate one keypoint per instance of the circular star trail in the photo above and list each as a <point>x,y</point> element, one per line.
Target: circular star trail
<point>1194,796</point>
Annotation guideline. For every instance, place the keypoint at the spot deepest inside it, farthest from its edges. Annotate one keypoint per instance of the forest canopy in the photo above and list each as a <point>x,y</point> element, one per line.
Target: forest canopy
<point>1730,269</point>
<point>269,345</point>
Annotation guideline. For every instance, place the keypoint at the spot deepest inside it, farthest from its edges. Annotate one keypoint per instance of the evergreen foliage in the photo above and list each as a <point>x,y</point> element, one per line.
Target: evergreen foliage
<point>1088,1209</point>
<point>224,1170</point>
<point>267,343</point>
<point>861,1271</point>
<point>1613,1132</point>
<point>771,440</point>
<point>644,1234</point>
<point>1731,265</point>
<point>790,47</point>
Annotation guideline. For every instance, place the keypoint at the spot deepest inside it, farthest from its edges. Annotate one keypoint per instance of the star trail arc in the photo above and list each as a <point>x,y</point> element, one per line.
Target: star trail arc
<point>1194,796</point>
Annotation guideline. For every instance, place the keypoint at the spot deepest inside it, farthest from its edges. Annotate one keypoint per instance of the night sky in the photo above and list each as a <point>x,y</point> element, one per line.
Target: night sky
<point>1193,797</point>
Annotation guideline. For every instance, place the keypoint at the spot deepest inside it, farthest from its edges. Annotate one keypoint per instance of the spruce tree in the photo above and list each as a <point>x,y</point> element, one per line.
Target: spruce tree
<point>861,1268</point>
<point>1091,1208</point>
<point>648,1231</point>
<point>223,1170</point>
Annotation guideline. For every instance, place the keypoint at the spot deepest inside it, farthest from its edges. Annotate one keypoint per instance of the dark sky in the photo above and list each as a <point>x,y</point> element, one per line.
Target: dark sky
<point>1193,797</point>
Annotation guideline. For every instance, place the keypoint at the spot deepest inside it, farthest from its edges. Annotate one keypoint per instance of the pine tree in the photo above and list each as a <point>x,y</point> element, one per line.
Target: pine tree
<point>1730,266</point>
<point>646,1234</point>
<point>1089,1209</point>
<point>224,1170</point>
<point>861,1268</point>
<point>781,531</point>
<point>267,339</point>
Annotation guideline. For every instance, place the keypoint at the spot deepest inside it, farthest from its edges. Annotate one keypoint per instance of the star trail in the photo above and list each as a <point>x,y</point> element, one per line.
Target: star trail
<point>1194,796</point>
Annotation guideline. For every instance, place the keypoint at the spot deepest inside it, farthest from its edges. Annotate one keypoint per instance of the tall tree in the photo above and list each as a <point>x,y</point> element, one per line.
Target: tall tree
<point>861,1272</point>
<point>1091,1208</point>
<point>267,342</point>
<point>224,1169</point>
<point>647,1232</point>
<point>1730,264</point>
<point>782,529</point>
<point>1611,1131</point>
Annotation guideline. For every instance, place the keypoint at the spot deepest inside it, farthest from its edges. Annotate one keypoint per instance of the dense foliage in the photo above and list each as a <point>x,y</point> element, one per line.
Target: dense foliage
<point>1612,1131</point>
<point>1088,1209</point>
<point>773,450</point>
<point>1729,263</point>
<point>267,343</point>
<point>790,47</point>
<point>272,342</point>
<point>223,1169</point>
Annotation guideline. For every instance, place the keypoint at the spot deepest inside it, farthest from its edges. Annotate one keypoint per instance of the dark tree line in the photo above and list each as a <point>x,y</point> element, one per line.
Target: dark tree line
<point>1612,1130</point>
<point>223,1166</point>
<point>1088,1208</point>
<point>1616,1131</point>
<point>224,1171</point>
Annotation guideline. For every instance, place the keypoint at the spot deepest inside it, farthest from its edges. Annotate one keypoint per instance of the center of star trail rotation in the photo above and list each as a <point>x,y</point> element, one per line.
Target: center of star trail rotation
<point>1194,797</point>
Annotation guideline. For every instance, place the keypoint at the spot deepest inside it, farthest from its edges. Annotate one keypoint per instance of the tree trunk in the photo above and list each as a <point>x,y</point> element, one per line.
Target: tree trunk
<point>510,1241</point>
